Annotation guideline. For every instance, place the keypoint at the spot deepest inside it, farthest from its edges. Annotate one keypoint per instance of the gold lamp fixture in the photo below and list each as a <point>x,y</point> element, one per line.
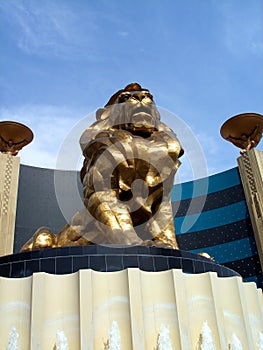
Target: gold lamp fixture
<point>14,136</point>
<point>243,130</point>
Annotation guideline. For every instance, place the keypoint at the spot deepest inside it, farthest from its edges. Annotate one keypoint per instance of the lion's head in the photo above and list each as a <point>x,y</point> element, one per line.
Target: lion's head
<point>132,109</point>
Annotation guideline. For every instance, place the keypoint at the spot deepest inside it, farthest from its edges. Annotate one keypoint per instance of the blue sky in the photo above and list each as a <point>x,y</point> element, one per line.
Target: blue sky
<point>60,60</point>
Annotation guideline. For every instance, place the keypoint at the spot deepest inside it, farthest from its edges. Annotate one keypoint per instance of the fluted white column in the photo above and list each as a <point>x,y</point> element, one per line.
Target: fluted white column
<point>134,309</point>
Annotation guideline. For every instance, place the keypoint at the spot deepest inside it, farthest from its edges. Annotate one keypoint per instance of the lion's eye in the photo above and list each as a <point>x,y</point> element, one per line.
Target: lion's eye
<point>124,97</point>
<point>149,95</point>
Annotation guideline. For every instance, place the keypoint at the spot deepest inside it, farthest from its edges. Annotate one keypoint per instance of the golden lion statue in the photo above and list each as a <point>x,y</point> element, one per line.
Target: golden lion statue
<point>131,158</point>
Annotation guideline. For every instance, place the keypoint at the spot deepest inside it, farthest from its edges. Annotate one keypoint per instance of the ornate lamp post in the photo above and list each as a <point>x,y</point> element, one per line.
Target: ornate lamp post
<point>13,137</point>
<point>245,131</point>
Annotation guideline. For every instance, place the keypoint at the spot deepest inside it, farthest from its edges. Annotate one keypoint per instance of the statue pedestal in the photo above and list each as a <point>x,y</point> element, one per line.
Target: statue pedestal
<point>162,298</point>
<point>67,260</point>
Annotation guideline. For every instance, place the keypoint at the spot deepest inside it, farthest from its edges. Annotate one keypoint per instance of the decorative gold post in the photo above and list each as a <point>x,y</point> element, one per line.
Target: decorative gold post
<point>13,136</point>
<point>245,131</point>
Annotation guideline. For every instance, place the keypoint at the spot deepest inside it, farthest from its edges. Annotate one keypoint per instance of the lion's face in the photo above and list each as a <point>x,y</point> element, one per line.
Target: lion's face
<point>134,111</point>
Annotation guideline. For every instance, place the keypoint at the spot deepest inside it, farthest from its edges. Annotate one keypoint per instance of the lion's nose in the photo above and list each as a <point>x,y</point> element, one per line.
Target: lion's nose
<point>139,96</point>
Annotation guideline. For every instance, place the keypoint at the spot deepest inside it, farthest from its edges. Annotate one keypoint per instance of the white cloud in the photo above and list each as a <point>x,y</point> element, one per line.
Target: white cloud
<point>209,143</point>
<point>123,34</point>
<point>51,125</point>
<point>49,28</point>
<point>242,27</point>
<point>257,47</point>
